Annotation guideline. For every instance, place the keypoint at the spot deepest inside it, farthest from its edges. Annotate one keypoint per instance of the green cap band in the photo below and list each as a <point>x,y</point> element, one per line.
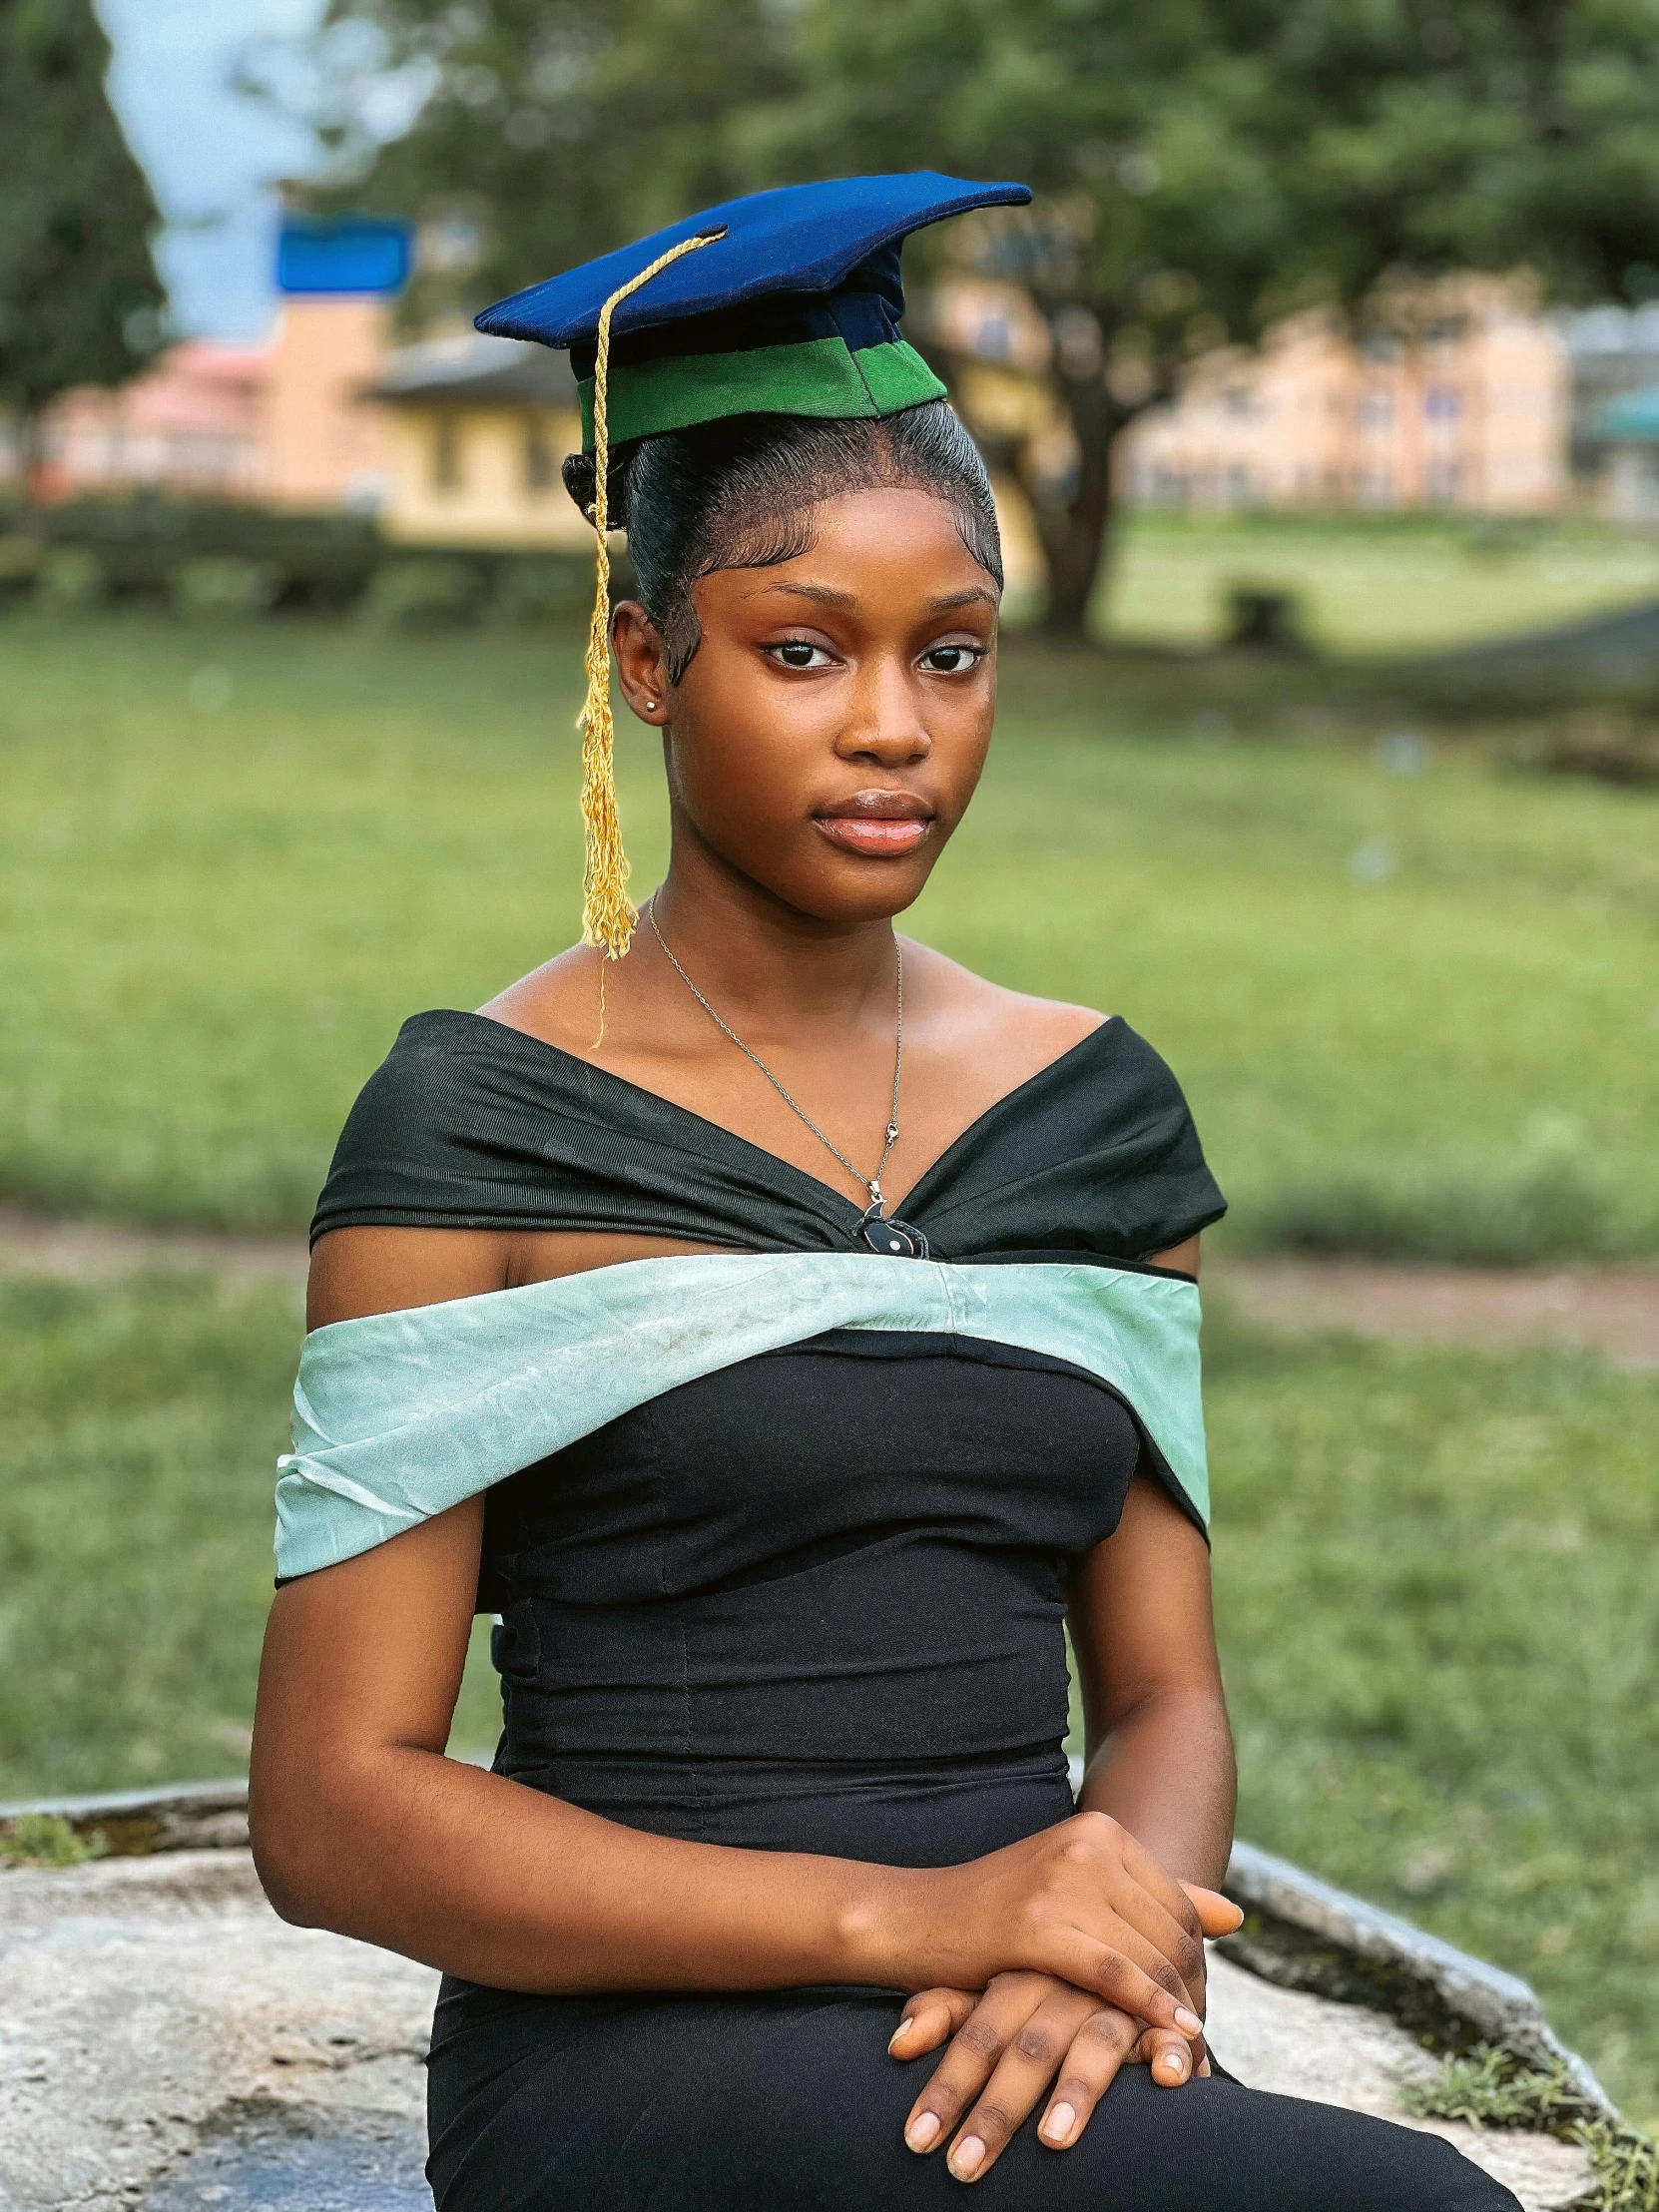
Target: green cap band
<point>821,377</point>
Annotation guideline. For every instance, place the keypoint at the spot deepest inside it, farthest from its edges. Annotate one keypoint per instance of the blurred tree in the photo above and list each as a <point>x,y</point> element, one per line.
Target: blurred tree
<point>1202,166</point>
<point>80,300</point>
<point>551,131</point>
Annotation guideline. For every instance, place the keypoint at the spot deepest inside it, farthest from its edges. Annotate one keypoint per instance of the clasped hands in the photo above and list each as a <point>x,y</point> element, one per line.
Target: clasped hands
<point>1115,1977</point>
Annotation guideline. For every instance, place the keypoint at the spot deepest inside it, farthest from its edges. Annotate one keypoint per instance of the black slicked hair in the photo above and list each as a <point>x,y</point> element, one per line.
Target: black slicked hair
<point>741,493</point>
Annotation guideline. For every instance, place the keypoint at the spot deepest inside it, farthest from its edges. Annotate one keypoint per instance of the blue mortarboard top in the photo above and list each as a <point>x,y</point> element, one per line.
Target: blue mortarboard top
<point>795,309</point>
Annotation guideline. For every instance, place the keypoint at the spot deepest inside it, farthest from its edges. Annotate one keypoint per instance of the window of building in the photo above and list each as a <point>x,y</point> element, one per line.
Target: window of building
<point>1440,403</point>
<point>1376,411</point>
<point>539,466</point>
<point>1440,481</point>
<point>1235,399</point>
<point>446,454</point>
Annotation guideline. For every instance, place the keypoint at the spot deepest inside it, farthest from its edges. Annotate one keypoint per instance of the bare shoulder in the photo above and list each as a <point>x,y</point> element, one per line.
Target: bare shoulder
<point>966,1012</point>
<point>556,1002</point>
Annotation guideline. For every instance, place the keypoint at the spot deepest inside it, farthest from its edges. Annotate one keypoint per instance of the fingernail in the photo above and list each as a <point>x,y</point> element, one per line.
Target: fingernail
<point>1059,2122</point>
<point>903,2028</point>
<point>923,2131</point>
<point>1173,2063</point>
<point>1188,2022</point>
<point>968,2158</point>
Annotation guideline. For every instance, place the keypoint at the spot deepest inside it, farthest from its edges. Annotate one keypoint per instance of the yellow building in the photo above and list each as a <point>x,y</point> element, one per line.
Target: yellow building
<point>477,430</point>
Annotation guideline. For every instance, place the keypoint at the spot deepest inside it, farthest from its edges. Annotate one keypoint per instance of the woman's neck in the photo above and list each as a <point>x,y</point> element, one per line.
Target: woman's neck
<point>766,967</point>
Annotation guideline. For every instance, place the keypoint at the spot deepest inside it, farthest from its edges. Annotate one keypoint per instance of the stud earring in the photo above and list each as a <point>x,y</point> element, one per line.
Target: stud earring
<point>651,703</point>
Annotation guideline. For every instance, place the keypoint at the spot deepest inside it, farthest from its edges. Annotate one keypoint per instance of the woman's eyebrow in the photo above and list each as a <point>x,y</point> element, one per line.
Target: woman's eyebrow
<point>824,596</point>
<point>822,593</point>
<point>975,596</point>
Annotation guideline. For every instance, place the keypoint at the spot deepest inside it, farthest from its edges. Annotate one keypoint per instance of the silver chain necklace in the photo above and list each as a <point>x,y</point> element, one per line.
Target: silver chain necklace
<point>880,1230</point>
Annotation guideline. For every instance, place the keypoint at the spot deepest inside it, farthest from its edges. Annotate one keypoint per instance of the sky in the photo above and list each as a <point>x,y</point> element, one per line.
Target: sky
<point>212,153</point>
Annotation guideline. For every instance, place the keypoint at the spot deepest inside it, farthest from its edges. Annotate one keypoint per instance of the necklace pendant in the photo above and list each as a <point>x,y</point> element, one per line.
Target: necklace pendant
<point>893,1240</point>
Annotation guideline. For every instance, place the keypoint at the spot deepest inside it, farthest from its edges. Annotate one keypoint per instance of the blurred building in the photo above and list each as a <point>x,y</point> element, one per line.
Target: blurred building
<point>1614,355</point>
<point>281,424</point>
<point>476,432</point>
<point>190,427</point>
<point>1460,397</point>
<point>1625,432</point>
<point>284,424</point>
<point>320,446</point>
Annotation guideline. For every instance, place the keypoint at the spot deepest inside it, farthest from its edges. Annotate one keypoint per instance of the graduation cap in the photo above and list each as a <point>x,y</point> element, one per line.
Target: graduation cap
<point>781,303</point>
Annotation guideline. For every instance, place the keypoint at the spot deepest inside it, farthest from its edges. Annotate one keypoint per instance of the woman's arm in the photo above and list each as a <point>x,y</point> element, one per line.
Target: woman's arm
<point>1158,1760</point>
<point>1157,1748</point>
<point>361,1823</point>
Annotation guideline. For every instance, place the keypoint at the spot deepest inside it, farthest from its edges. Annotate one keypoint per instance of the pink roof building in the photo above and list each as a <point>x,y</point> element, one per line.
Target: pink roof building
<point>189,425</point>
<point>283,425</point>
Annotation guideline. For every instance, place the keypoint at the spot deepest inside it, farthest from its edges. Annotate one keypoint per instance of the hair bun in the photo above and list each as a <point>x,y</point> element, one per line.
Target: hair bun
<point>581,481</point>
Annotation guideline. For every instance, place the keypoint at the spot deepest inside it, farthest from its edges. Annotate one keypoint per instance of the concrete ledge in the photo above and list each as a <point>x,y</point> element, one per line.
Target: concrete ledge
<point>168,2042</point>
<point>131,1824</point>
<point>1301,1934</point>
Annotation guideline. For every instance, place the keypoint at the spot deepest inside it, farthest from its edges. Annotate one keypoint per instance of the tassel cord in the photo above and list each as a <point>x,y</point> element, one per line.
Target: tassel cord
<point>608,915</point>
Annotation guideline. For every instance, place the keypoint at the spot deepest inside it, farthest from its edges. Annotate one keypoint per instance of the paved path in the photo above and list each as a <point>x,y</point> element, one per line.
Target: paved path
<point>1613,1311</point>
<point>168,2044</point>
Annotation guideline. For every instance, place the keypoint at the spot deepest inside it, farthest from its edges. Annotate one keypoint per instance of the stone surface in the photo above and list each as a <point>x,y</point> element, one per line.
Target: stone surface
<point>1304,2045</point>
<point>1304,1935</point>
<point>151,2006</point>
<point>168,2044</point>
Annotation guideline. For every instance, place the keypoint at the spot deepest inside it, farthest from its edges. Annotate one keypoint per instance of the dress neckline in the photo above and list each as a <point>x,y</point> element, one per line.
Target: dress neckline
<point>915,1198</point>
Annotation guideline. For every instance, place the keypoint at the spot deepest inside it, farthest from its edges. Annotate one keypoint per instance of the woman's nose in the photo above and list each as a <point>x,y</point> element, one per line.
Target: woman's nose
<point>885,726</point>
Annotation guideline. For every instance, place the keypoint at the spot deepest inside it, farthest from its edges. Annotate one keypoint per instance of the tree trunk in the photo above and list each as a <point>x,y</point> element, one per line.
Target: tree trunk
<point>1074,534</point>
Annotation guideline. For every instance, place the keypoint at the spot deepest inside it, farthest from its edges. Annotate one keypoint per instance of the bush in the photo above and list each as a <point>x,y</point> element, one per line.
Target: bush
<point>419,593</point>
<point>551,589</point>
<point>70,579</point>
<point>224,584</point>
<point>19,565</point>
<point>146,545</point>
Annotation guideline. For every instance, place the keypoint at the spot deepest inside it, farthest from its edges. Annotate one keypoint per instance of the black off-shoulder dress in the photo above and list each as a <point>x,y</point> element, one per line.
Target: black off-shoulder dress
<point>779,1544</point>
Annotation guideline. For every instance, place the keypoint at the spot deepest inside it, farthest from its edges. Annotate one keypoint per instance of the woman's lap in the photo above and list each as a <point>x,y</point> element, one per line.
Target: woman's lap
<point>790,2104</point>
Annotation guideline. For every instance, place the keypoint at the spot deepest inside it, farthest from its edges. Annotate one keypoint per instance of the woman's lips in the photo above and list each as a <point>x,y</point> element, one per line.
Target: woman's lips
<point>879,823</point>
<point>871,835</point>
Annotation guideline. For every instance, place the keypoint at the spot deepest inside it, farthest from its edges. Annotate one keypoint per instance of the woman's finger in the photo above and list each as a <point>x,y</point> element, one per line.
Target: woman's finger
<point>1217,1916</point>
<point>1167,1940</point>
<point>1090,2066</point>
<point>1172,2058</point>
<point>930,2017</point>
<point>1020,2081</point>
<point>1131,1975</point>
<point>976,2049</point>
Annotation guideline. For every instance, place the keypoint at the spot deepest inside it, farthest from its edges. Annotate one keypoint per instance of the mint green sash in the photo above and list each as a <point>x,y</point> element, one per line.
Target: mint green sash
<point>397,1416</point>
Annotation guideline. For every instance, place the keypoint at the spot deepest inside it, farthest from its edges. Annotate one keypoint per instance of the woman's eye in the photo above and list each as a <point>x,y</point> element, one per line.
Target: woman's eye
<point>953,659</point>
<point>799,653</point>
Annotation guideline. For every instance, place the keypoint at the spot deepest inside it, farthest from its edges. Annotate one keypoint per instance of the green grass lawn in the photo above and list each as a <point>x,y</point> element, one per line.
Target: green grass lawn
<point>1434,1581</point>
<point>1416,1013</point>
<point>1394,585</point>
<point>136,1472</point>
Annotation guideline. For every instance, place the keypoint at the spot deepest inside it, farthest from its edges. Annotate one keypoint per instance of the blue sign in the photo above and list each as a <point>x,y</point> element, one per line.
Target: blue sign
<point>342,253</point>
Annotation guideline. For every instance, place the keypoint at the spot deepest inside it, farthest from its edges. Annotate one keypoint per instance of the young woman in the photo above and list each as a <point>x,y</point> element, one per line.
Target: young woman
<point>784,1364</point>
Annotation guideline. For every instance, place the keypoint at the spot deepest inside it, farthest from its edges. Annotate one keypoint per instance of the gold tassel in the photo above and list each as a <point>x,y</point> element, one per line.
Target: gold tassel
<point>608,915</point>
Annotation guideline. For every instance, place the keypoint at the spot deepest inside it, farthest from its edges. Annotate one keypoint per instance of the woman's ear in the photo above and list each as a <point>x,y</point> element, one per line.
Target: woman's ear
<point>641,661</point>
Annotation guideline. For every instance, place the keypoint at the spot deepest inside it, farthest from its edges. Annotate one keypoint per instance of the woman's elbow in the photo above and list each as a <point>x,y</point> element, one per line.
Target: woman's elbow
<point>282,1828</point>
<point>303,1818</point>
